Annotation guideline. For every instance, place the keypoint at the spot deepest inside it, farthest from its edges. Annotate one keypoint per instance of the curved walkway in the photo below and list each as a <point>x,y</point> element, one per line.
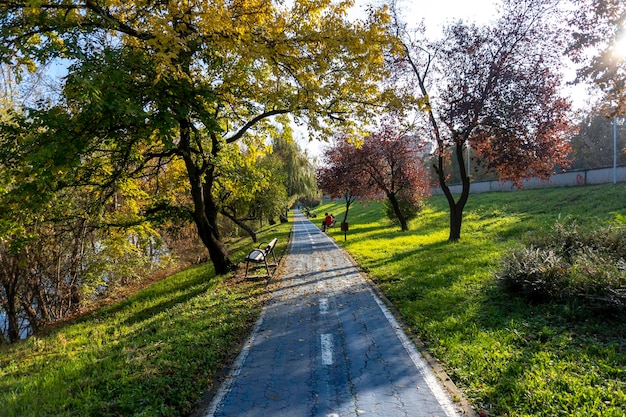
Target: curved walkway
<point>326,346</point>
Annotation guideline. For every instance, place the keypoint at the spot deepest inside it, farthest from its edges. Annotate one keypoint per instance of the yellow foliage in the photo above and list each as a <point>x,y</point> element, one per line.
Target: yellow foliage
<point>423,103</point>
<point>231,64</point>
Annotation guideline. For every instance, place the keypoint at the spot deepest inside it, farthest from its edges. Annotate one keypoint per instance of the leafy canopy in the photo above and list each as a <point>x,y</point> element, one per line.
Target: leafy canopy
<point>240,58</point>
<point>150,83</point>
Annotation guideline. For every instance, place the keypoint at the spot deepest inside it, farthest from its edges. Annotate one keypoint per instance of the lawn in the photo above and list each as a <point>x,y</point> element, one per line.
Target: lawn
<point>153,354</point>
<point>157,352</point>
<point>509,358</point>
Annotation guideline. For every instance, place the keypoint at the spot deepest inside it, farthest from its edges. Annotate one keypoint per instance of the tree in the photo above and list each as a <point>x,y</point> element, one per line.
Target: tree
<point>599,47</point>
<point>391,160</point>
<point>496,89</point>
<point>592,145</point>
<point>340,176</point>
<point>58,251</point>
<point>386,163</point>
<point>300,179</point>
<point>56,259</point>
<point>272,200</point>
<point>261,182</point>
<point>154,82</point>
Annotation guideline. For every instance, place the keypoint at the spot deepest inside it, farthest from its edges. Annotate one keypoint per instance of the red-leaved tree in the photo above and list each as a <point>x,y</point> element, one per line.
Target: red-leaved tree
<point>386,165</point>
<point>497,89</point>
<point>393,164</point>
<point>339,176</point>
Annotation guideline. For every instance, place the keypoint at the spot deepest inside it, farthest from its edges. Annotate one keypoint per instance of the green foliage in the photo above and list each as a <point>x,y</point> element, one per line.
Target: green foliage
<point>154,353</point>
<point>510,358</point>
<point>273,198</point>
<point>569,265</point>
<point>155,84</point>
<point>410,209</point>
<point>300,179</point>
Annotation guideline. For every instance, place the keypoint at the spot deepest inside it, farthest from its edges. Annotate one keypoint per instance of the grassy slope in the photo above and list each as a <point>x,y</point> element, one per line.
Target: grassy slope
<point>153,354</point>
<point>510,358</point>
<point>157,352</point>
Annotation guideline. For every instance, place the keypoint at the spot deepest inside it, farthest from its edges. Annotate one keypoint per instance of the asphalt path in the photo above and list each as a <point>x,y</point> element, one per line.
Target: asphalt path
<point>326,345</point>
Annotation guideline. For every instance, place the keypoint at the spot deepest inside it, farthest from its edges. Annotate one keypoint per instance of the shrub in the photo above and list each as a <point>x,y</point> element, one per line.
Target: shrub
<point>570,265</point>
<point>409,207</point>
<point>535,273</point>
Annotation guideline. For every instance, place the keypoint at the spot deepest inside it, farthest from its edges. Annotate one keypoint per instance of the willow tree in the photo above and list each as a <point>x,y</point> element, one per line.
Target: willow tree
<point>149,82</point>
<point>300,180</point>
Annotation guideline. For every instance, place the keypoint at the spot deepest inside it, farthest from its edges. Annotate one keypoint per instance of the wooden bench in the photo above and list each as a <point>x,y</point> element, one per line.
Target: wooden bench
<point>258,256</point>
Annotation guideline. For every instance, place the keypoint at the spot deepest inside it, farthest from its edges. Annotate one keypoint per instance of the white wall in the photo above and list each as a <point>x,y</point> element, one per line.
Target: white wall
<point>567,179</point>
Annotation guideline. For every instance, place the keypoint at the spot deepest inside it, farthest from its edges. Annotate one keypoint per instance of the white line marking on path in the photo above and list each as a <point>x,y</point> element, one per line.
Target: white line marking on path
<point>323,305</point>
<point>417,358</point>
<point>327,348</point>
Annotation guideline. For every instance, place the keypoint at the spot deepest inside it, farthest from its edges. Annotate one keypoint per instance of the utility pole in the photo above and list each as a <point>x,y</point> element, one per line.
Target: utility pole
<point>614,150</point>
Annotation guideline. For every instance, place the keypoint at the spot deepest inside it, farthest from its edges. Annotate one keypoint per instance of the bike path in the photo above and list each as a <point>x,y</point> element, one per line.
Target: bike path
<point>326,346</point>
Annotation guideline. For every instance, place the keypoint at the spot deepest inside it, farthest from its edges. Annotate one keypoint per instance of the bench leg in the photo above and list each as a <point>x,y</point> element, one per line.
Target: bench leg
<point>275,264</point>
<point>267,268</point>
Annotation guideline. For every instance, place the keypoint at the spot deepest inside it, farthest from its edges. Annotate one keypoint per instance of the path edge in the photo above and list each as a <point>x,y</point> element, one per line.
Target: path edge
<point>212,398</point>
<point>456,395</point>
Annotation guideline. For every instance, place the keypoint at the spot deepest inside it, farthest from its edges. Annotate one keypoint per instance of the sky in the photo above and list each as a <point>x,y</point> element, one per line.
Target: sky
<point>436,13</point>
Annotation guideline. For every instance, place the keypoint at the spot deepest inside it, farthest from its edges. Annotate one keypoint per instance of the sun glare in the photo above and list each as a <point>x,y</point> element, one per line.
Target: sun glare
<point>620,47</point>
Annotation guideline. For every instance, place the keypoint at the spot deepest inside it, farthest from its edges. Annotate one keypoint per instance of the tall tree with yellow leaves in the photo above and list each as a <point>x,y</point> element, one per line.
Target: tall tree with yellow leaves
<point>154,81</point>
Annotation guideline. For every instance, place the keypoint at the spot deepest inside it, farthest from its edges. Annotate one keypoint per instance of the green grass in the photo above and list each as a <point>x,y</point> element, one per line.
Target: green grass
<point>157,352</point>
<point>153,354</point>
<point>508,357</point>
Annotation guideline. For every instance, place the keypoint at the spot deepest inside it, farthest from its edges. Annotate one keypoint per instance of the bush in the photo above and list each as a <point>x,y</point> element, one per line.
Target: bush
<point>570,265</point>
<point>410,208</point>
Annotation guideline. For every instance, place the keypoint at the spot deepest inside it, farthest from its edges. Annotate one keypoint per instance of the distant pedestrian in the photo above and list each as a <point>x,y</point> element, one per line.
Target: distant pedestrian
<point>327,222</point>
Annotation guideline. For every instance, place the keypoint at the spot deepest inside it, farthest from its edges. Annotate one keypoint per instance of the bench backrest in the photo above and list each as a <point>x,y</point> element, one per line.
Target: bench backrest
<point>270,246</point>
<point>256,256</point>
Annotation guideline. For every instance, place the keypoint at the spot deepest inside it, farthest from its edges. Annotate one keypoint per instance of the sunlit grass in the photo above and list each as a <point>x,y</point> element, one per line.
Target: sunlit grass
<point>510,358</point>
<point>154,354</point>
<point>157,352</point>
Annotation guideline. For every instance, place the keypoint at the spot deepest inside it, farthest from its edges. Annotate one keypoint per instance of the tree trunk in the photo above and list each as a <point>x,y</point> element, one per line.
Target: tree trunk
<point>456,207</point>
<point>205,216</point>
<point>13,327</point>
<point>210,206</point>
<point>43,305</point>
<point>396,209</point>
<point>33,318</point>
<point>217,250</point>
<point>219,255</point>
<point>10,283</point>
<point>456,219</point>
<point>200,173</point>
<point>204,208</point>
<point>241,224</point>
<point>349,200</point>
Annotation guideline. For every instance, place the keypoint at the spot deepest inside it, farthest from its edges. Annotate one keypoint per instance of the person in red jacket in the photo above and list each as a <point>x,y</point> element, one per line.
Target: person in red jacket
<point>328,220</point>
